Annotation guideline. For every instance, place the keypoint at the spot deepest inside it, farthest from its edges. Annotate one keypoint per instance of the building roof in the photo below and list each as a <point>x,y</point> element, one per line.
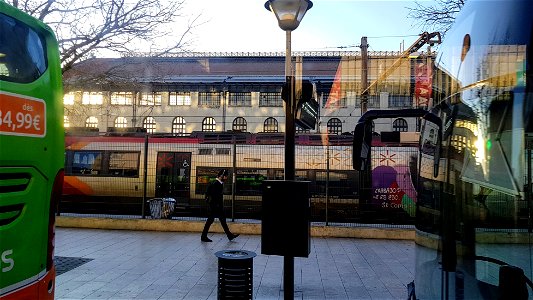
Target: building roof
<point>203,68</point>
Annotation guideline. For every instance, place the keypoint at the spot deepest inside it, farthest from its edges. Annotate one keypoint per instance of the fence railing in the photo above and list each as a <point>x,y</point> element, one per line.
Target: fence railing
<point>119,175</point>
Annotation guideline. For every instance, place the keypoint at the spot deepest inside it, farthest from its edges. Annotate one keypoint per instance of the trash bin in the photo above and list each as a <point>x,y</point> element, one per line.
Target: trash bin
<point>161,208</point>
<point>235,274</point>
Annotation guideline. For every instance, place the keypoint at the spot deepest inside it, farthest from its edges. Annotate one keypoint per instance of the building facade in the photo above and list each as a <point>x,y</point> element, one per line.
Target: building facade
<point>241,91</point>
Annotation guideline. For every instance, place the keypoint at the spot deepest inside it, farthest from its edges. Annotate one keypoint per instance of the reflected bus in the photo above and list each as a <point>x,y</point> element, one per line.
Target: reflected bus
<point>475,175</point>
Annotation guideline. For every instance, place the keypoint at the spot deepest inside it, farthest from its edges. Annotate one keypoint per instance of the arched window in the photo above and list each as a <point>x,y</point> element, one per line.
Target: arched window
<point>399,125</point>
<point>334,126</point>
<point>66,121</point>
<point>209,124</point>
<point>270,125</point>
<point>178,126</point>
<point>91,122</point>
<point>121,122</point>
<point>239,124</point>
<point>149,124</point>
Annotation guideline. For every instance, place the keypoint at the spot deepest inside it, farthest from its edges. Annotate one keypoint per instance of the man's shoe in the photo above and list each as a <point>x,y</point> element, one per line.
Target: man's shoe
<point>233,236</point>
<point>206,239</point>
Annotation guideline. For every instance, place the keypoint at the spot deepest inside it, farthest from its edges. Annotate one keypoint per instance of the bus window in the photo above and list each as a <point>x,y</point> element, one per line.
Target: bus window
<point>474,227</point>
<point>22,52</point>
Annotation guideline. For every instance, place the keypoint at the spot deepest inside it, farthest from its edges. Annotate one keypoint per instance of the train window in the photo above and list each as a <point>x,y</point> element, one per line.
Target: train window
<point>205,151</point>
<point>278,174</point>
<point>86,162</point>
<point>341,184</point>
<point>222,151</point>
<point>124,164</point>
<point>301,175</point>
<point>204,175</point>
<point>102,163</point>
<point>250,181</point>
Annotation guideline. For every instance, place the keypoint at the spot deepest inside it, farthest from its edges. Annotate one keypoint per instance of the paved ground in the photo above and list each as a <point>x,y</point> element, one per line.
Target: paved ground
<point>120,264</point>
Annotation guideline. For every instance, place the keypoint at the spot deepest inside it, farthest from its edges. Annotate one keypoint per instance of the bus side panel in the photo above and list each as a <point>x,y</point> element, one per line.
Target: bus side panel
<point>31,155</point>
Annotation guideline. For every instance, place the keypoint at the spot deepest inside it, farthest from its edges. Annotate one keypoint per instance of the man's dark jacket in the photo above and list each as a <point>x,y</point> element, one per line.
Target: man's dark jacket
<point>214,194</point>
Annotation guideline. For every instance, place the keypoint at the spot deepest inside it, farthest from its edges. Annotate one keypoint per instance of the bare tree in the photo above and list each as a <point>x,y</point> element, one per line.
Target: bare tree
<point>436,15</point>
<point>86,28</point>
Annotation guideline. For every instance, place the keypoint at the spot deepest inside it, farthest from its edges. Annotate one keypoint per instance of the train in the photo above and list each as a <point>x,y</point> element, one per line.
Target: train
<point>119,173</point>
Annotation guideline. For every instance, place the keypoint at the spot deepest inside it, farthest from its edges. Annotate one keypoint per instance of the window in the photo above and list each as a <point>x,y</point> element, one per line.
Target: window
<point>66,121</point>
<point>23,51</point>
<point>149,124</point>
<point>91,122</point>
<point>68,98</point>
<point>239,124</point>
<point>270,99</point>
<point>373,101</point>
<point>249,182</point>
<point>209,124</point>
<point>150,99</point>
<point>240,99</point>
<point>121,122</point>
<point>123,164</point>
<point>205,151</point>
<point>334,126</point>
<point>222,151</point>
<point>178,126</point>
<point>205,175</point>
<point>399,101</point>
<point>270,125</point>
<point>102,163</point>
<point>3,70</point>
<point>92,98</point>
<point>84,162</point>
<point>211,99</point>
<point>179,98</point>
<point>122,98</point>
<point>399,125</point>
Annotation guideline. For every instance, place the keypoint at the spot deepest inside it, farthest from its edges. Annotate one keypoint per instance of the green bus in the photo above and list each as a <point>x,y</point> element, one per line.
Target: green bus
<point>31,154</point>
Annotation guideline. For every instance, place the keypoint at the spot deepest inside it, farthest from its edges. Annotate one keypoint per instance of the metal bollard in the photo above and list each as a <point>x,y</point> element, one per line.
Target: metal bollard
<point>235,274</point>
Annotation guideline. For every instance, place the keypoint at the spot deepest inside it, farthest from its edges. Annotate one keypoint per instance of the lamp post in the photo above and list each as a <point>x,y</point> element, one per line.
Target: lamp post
<point>289,14</point>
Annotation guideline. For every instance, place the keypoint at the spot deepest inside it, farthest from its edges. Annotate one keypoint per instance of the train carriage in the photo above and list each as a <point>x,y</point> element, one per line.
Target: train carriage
<point>117,174</point>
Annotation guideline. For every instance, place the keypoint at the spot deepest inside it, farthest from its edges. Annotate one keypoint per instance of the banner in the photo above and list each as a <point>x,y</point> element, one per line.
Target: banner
<point>423,82</point>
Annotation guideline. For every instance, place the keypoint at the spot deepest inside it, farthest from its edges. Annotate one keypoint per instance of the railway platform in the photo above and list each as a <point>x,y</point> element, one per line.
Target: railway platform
<point>127,264</point>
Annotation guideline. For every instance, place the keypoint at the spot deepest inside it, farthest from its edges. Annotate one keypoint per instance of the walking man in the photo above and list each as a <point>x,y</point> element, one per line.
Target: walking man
<point>215,199</point>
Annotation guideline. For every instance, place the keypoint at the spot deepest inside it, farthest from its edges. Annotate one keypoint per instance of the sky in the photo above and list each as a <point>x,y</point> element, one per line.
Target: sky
<point>330,25</point>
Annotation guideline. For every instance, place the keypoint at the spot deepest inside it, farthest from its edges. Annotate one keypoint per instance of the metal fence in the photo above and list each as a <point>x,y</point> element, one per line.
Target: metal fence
<point>119,175</point>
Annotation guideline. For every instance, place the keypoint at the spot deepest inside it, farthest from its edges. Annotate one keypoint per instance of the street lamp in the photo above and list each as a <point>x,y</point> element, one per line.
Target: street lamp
<point>289,14</point>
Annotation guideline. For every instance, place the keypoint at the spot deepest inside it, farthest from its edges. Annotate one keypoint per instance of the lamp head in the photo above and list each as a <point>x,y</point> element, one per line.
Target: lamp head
<point>289,13</point>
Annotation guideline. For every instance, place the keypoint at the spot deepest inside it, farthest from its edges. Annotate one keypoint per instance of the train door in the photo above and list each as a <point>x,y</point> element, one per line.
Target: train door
<point>173,176</point>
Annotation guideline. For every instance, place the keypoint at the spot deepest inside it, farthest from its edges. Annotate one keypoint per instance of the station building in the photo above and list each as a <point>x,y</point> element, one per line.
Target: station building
<point>190,92</point>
